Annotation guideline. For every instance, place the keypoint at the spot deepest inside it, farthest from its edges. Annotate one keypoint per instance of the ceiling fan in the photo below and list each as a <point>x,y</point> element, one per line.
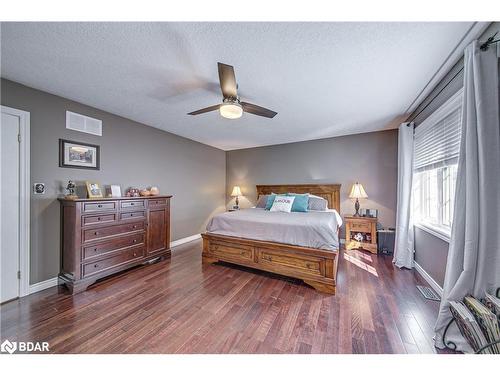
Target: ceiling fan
<point>232,107</point>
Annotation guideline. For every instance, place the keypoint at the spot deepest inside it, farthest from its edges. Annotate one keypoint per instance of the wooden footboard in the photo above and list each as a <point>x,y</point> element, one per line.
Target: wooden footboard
<point>317,268</point>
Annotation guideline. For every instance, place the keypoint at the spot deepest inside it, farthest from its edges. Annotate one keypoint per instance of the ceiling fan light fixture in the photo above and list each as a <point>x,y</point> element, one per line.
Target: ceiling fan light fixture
<point>231,110</point>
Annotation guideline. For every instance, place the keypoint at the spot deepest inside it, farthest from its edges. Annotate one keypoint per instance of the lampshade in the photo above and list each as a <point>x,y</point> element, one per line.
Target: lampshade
<point>236,192</point>
<point>358,191</point>
<point>231,110</point>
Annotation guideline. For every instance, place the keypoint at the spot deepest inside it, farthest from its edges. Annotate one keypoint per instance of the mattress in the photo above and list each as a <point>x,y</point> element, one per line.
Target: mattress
<point>315,229</point>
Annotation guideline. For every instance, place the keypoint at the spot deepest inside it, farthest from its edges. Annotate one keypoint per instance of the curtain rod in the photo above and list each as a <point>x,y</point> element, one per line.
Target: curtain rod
<point>491,40</point>
<point>484,47</point>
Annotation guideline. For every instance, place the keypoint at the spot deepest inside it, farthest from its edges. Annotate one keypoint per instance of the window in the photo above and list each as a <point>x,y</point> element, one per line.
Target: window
<point>436,150</point>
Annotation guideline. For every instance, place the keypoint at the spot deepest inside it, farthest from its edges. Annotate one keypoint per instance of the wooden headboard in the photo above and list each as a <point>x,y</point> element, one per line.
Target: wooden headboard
<point>331,192</point>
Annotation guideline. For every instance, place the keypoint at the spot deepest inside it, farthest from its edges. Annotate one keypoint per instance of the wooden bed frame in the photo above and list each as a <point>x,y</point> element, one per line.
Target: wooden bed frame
<point>315,267</point>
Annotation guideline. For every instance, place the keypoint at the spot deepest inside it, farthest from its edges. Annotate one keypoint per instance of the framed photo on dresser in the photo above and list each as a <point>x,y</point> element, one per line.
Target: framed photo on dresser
<point>94,189</point>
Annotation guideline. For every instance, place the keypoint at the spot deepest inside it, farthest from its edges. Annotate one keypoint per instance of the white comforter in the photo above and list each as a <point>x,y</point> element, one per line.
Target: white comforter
<point>315,229</point>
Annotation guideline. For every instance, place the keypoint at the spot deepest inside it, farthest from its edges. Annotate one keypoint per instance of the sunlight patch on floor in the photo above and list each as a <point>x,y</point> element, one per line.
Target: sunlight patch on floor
<point>359,263</point>
<point>361,255</point>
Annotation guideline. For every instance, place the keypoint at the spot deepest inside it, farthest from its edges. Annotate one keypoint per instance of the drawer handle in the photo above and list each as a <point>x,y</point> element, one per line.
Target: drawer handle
<point>131,215</point>
<point>134,241</point>
<point>95,249</point>
<point>95,266</point>
<point>96,233</point>
<point>98,219</point>
<point>99,205</point>
<point>132,203</point>
<point>135,254</point>
<point>135,226</point>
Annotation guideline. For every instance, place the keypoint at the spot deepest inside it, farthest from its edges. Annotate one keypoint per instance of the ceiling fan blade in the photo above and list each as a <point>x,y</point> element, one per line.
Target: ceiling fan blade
<point>204,110</point>
<point>227,81</point>
<point>256,110</point>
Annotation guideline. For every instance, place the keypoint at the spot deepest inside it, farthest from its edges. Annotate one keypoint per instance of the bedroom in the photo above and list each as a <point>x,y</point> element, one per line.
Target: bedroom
<point>296,188</point>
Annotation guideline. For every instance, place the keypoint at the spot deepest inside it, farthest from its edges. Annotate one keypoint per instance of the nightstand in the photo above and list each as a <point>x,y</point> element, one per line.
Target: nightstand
<point>361,233</point>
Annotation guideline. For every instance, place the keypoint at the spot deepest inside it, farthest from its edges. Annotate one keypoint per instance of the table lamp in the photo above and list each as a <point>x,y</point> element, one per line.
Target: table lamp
<point>357,192</point>
<point>236,193</point>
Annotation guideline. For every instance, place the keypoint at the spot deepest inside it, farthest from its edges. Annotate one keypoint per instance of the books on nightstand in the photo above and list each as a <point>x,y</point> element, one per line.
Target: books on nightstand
<point>478,322</point>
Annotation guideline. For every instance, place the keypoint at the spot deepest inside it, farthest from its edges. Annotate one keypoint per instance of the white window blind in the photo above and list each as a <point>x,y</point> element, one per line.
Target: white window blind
<point>437,139</point>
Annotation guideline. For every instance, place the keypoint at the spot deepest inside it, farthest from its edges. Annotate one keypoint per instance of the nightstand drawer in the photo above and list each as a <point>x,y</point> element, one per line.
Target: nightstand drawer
<point>360,226</point>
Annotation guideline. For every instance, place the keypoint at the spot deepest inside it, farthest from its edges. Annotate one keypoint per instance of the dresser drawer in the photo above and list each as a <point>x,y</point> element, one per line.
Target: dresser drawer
<point>99,249</point>
<point>127,205</point>
<point>132,215</point>
<point>98,233</point>
<point>99,206</point>
<point>98,219</point>
<point>234,252</point>
<point>157,202</point>
<point>298,263</point>
<point>124,257</point>
<point>360,227</point>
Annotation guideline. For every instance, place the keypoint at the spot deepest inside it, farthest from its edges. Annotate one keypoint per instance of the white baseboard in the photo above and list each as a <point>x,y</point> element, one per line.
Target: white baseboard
<point>184,240</point>
<point>43,285</point>
<point>53,282</point>
<point>434,285</point>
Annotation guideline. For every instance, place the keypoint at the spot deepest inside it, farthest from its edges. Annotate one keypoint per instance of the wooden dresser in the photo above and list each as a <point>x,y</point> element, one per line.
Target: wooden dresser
<point>100,237</point>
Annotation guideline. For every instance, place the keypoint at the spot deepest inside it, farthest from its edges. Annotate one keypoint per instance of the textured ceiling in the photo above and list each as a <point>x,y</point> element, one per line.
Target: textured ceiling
<point>323,79</point>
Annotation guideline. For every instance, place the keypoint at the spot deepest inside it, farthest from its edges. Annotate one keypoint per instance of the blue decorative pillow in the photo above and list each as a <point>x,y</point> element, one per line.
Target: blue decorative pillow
<point>300,203</point>
<point>270,201</point>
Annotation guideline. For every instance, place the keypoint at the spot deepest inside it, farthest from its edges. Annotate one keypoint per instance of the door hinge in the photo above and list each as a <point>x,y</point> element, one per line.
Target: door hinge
<point>19,138</point>
<point>19,275</point>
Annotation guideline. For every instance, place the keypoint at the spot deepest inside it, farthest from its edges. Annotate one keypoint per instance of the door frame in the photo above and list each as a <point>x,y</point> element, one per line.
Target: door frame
<point>24,197</point>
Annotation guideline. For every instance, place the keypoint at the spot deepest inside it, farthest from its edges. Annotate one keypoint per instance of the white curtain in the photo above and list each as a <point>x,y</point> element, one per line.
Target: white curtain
<point>403,247</point>
<point>473,265</point>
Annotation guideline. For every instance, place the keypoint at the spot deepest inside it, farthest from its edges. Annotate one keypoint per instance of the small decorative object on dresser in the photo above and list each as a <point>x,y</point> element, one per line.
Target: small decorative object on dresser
<point>154,190</point>
<point>236,193</point>
<point>133,192</point>
<point>104,236</point>
<point>361,233</point>
<point>94,190</point>
<point>357,192</point>
<point>70,188</point>
<point>144,193</point>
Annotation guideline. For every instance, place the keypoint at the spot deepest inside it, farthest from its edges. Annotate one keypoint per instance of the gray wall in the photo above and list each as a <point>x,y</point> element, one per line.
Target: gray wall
<point>431,252</point>
<point>132,154</point>
<point>370,158</point>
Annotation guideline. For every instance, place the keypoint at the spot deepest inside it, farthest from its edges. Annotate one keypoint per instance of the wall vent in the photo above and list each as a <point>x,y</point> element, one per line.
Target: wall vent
<point>85,124</point>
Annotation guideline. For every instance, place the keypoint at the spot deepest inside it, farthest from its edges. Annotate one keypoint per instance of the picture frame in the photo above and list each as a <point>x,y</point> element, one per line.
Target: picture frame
<point>73,154</point>
<point>94,189</point>
<point>115,191</point>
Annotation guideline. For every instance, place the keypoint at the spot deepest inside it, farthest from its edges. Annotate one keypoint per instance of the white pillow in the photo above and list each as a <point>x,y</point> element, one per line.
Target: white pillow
<point>282,203</point>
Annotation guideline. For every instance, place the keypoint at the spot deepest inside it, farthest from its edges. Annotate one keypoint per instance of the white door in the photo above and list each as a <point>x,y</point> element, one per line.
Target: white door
<point>9,206</point>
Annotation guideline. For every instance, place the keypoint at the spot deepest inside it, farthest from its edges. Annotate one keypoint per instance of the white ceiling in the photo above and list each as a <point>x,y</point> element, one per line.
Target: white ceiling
<point>323,79</point>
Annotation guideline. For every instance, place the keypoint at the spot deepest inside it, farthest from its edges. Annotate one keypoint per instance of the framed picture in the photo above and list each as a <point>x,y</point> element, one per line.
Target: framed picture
<point>115,191</point>
<point>94,190</point>
<point>78,155</point>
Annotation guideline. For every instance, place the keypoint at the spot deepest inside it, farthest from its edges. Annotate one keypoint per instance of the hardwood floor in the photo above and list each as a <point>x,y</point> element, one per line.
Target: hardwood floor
<point>183,306</point>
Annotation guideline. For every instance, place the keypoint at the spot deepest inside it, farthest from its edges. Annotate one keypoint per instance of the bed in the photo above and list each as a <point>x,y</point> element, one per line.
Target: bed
<point>300,245</point>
